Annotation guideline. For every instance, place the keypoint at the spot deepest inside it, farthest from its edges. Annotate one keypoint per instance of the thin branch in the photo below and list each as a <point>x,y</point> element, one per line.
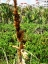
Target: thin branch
<point>5,56</point>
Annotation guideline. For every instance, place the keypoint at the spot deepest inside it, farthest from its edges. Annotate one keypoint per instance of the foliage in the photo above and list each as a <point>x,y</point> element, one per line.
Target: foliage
<point>35,23</point>
<point>36,43</point>
<point>6,14</point>
<point>35,15</point>
<point>7,38</point>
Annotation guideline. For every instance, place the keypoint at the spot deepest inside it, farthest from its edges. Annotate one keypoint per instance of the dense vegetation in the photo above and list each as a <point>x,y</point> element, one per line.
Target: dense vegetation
<point>35,23</point>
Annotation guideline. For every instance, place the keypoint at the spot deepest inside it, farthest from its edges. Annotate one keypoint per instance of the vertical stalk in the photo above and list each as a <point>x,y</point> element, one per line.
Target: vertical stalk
<point>18,32</point>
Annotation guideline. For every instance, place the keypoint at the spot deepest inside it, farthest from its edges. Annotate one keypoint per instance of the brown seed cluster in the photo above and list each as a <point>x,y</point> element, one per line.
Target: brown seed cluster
<point>20,33</point>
